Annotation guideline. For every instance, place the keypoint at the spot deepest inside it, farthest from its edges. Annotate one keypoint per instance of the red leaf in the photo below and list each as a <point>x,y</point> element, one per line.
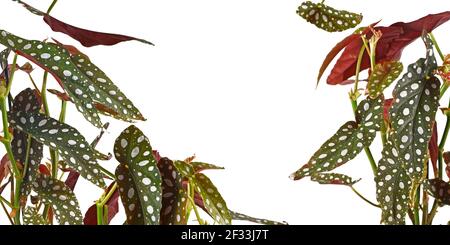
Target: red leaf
<point>390,46</point>
<point>447,163</point>
<point>433,148</point>
<point>72,179</point>
<point>4,167</point>
<point>387,106</point>
<point>44,170</point>
<point>90,218</point>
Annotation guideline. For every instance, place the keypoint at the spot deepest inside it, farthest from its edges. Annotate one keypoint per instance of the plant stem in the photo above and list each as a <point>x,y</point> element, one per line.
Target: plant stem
<point>425,208</point>
<point>27,156</point>
<point>51,6</point>
<point>99,214</point>
<point>416,206</point>
<point>102,210</point>
<point>363,198</point>
<point>34,83</point>
<point>6,212</point>
<point>191,191</point>
<point>436,45</point>
<point>2,199</point>
<point>11,76</point>
<point>105,171</point>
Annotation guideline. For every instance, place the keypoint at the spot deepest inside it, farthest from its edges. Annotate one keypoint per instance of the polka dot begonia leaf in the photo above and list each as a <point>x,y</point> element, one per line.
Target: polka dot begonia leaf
<point>416,99</point>
<point>27,101</point>
<point>57,61</point>
<point>348,141</point>
<point>200,166</point>
<point>239,216</point>
<point>333,179</point>
<point>4,58</point>
<point>138,178</point>
<point>31,216</point>
<point>328,18</point>
<point>185,169</point>
<point>66,140</point>
<point>438,189</point>
<point>174,198</point>
<point>382,76</point>
<point>64,203</point>
<point>213,201</point>
<point>393,186</point>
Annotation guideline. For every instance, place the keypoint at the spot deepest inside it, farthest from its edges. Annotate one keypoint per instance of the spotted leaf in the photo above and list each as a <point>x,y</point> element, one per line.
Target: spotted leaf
<point>438,189</point>
<point>328,18</point>
<point>64,139</point>
<point>31,216</point>
<point>393,186</point>
<point>185,169</point>
<point>416,99</point>
<point>57,61</point>
<point>174,198</point>
<point>382,76</point>
<point>213,201</point>
<point>333,179</point>
<point>200,166</point>
<point>138,177</point>
<point>239,216</point>
<point>348,141</point>
<point>55,193</point>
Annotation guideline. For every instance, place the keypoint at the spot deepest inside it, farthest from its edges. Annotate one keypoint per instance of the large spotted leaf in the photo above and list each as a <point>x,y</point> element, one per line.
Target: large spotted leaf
<point>416,99</point>
<point>213,201</point>
<point>56,60</point>
<point>438,189</point>
<point>69,143</point>
<point>382,76</point>
<point>138,178</point>
<point>333,179</point>
<point>393,186</point>
<point>22,146</point>
<point>328,18</point>
<point>348,141</point>
<point>239,216</point>
<point>64,203</point>
<point>31,216</point>
<point>174,197</point>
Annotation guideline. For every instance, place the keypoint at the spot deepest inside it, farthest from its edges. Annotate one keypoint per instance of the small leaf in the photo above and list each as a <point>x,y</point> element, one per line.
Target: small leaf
<point>138,177</point>
<point>185,169</point>
<point>328,18</point>
<point>416,99</point>
<point>438,189</point>
<point>4,167</point>
<point>200,166</point>
<point>382,76</point>
<point>60,197</point>
<point>213,201</point>
<point>393,186</point>
<point>239,216</point>
<point>348,141</point>
<point>333,179</point>
<point>31,216</point>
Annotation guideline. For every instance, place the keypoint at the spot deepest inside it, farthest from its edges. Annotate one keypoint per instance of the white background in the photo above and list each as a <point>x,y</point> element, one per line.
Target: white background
<point>232,81</point>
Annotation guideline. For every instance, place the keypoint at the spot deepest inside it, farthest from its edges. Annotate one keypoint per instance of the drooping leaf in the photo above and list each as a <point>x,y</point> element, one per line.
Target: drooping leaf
<point>239,216</point>
<point>416,99</point>
<point>138,177</point>
<point>90,217</point>
<point>393,186</point>
<point>333,179</point>
<point>348,141</point>
<point>447,163</point>
<point>382,76</point>
<point>66,140</point>
<point>55,193</point>
<point>174,198</point>
<point>390,46</point>
<point>213,201</point>
<point>438,189</point>
<point>328,18</point>
<point>86,37</point>
<point>31,216</point>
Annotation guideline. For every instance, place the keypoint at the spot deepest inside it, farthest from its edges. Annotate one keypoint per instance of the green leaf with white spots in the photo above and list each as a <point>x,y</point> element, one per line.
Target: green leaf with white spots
<point>333,179</point>
<point>4,58</point>
<point>348,141</point>
<point>31,216</point>
<point>64,139</point>
<point>185,169</point>
<point>382,76</point>
<point>213,201</point>
<point>239,216</point>
<point>416,99</point>
<point>27,101</point>
<point>438,189</point>
<point>200,166</point>
<point>57,61</point>
<point>393,186</point>
<point>174,197</point>
<point>138,178</point>
<point>328,18</point>
<point>64,203</point>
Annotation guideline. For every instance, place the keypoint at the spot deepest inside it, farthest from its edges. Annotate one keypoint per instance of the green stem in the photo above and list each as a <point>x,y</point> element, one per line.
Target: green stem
<point>383,133</point>
<point>105,171</point>
<point>27,156</point>
<point>33,82</point>
<point>11,76</point>
<point>99,214</point>
<point>51,6</point>
<point>425,208</point>
<point>102,210</point>
<point>6,212</point>
<point>416,206</point>
<point>363,198</point>
<point>436,45</point>
<point>6,202</point>
<point>191,191</point>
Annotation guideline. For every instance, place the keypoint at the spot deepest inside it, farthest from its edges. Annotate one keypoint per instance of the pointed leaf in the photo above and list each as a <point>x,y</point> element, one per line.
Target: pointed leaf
<point>328,18</point>
<point>185,169</point>
<point>4,167</point>
<point>60,197</point>
<point>31,216</point>
<point>333,179</point>
<point>393,186</point>
<point>348,141</point>
<point>200,166</point>
<point>416,99</point>
<point>138,177</point>
<point>239,216</point>
<point>382,76</point>
<point>438,189</point>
